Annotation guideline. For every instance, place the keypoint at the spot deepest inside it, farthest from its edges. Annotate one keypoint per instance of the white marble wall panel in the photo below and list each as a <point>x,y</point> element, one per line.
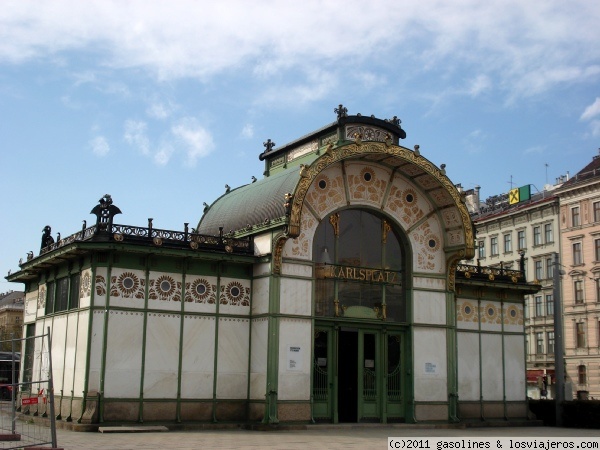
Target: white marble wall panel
<point>85,289</point>
<point>429,307</point>
<point>262,244</point>
<point>367,183</point>
<point>301,246</point>
<point>165,291</point>
<point>490,315</point>
<point>427,242</point>
<point>233,358</point>
<point>235,296</point>
<point>70,349</point>
<point>30,310</point>
<point>468,366</point>
<point>260,296</point>
<point>96,347</point>
<point>59,332</point>
<point>513,318</point>
<point>198,357</point>
<point>81,352</point>
<point>295,347</point>
<point>491,366</point>
<point>261,269</point>
<point>297,270</point>
<point>295,296</point>
<point>451,218</point>
<point>162,355</point>
<point>514,367</point>
<point>101,286</point>
<point>200,294</point>
<point>41,366</point>
<point>467,314</point>
<point>405,202</point>
<point>327,192</point>
<point>127,288</point>
<point>258,358</point>
<point>430,370</point>
<point>438,284</point>
<point>122,373</point>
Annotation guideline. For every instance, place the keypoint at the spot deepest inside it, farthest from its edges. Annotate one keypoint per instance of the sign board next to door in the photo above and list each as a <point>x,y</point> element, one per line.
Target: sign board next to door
<point>294,358</point>
<point>323,271</point>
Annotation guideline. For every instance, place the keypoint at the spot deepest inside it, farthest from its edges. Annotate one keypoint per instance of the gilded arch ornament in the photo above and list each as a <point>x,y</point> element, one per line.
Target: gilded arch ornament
<point>333,155</point>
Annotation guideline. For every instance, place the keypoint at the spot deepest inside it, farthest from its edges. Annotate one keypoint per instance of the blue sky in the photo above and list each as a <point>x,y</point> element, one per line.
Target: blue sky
<point>161,103</point>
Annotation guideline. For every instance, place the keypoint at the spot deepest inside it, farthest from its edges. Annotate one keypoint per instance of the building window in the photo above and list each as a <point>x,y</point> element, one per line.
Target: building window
<point>74,291</point>
<point>597,250</point>
<point>537,236</point>
<point>596,211</point>
<point>521,238</point>
<point>580,335</point>
<point>62,295</point>
<point>551,342</point>
<point>539,343</point>
<point>50,287</point>
<point>598,295</point>
<point>548,236</point>
<point>575,216</point>
<point>549,305</point>
<point>494,246</point>
<point>538,269</point>
<point>578,291</point>
<point>577,257</point>
<point>539,306</point>
<point>581,374</point>
<point>549,268</point>
<point>507,243</point>
<point>481,249</point>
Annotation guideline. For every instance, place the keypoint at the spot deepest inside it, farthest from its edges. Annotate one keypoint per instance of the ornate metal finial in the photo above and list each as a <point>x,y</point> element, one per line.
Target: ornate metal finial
<point>227,188</point>
<point>253,179</point>
<point>205,206</point>
<point>288,203</point>
<point>105,211</point>
<point>341,111</point>
<point>395,121</point>
<point>443,169</point>
<point>46,238</point>
<point>269,145</point>
<point>417,152</point>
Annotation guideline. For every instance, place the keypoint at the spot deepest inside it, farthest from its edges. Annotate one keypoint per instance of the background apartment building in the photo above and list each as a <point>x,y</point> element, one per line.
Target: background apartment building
<point>580,242</point>
<point>528,229</point>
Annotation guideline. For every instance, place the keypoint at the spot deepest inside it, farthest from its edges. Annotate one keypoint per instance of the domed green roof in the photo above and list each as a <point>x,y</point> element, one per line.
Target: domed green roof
<point>253,204</point>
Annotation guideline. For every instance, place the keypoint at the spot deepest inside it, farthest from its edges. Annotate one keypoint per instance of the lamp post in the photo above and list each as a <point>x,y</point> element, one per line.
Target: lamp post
<point>559,363</point>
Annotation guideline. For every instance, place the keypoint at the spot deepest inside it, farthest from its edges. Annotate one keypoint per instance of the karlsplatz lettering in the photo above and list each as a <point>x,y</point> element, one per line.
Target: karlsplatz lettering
<point>358,274</point>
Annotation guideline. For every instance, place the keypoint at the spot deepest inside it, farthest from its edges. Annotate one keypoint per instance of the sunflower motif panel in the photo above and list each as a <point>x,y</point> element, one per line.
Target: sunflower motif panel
<point>366,183</point>
<point>467,314</point>
<point>513,317</point>
<point>327,192</point>
<point>442,197</point>
<point>405,202</point>
<point>301,247</point>
<point>41,299</point>
<point>164,291</point>
<point>234,297</point>
<point>128,288</point>
<point>31,303</point>
<point>200,294</point>
<point>490,316</point>
<point>428,247</point>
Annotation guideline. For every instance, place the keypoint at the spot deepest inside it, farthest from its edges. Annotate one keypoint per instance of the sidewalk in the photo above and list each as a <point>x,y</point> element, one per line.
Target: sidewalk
<point>315,437</point>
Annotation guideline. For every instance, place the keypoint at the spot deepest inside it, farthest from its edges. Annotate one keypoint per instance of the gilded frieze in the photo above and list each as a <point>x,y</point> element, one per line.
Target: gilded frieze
<point>490,313</point>
<point>366,184</point>
<point>427,243</point>
<point>467,311</point>
<point>164,288</point>
<point>513,315</point>
<point>128,284</point>
<point>234,293</point>
<point>41,300</point>
<point>300,247</point>
<point>327,192</point>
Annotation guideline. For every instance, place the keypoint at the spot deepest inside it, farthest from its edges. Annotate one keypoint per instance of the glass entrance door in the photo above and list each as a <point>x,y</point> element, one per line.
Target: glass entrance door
<point>358,375</point>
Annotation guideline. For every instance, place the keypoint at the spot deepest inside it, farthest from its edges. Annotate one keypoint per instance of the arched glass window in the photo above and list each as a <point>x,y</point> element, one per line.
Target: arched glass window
<point>359,262</point>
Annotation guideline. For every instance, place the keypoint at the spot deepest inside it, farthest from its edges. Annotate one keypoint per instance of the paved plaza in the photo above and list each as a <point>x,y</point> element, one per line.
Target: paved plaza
<point>313,438</point>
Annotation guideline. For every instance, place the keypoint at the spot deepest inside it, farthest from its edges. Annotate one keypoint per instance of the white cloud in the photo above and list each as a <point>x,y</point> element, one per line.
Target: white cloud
<point>595,128</point>
<point>196,141</point>
<point>135,135</point>
<point>99,146</point>
<point>525,47</point>
<point>163,155</point>
<point>591,111</point>
<point>474,141</point>
<point>248,131</point>
<point>160,110</point>
<point>535,149</point>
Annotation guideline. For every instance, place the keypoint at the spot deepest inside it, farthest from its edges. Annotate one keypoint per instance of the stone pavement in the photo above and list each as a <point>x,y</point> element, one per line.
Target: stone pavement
<point>312,438</point>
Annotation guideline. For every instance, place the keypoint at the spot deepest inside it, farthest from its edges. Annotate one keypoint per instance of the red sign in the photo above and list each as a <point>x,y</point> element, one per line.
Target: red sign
<point>29,401</point>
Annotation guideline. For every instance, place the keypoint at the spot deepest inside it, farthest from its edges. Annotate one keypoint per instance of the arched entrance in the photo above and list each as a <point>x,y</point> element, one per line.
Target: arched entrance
<point>360,308</point>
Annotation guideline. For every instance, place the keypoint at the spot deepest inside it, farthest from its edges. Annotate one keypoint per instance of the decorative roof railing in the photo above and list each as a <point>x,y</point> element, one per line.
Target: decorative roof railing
<point>490,273</point>
<point>156,237</point>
